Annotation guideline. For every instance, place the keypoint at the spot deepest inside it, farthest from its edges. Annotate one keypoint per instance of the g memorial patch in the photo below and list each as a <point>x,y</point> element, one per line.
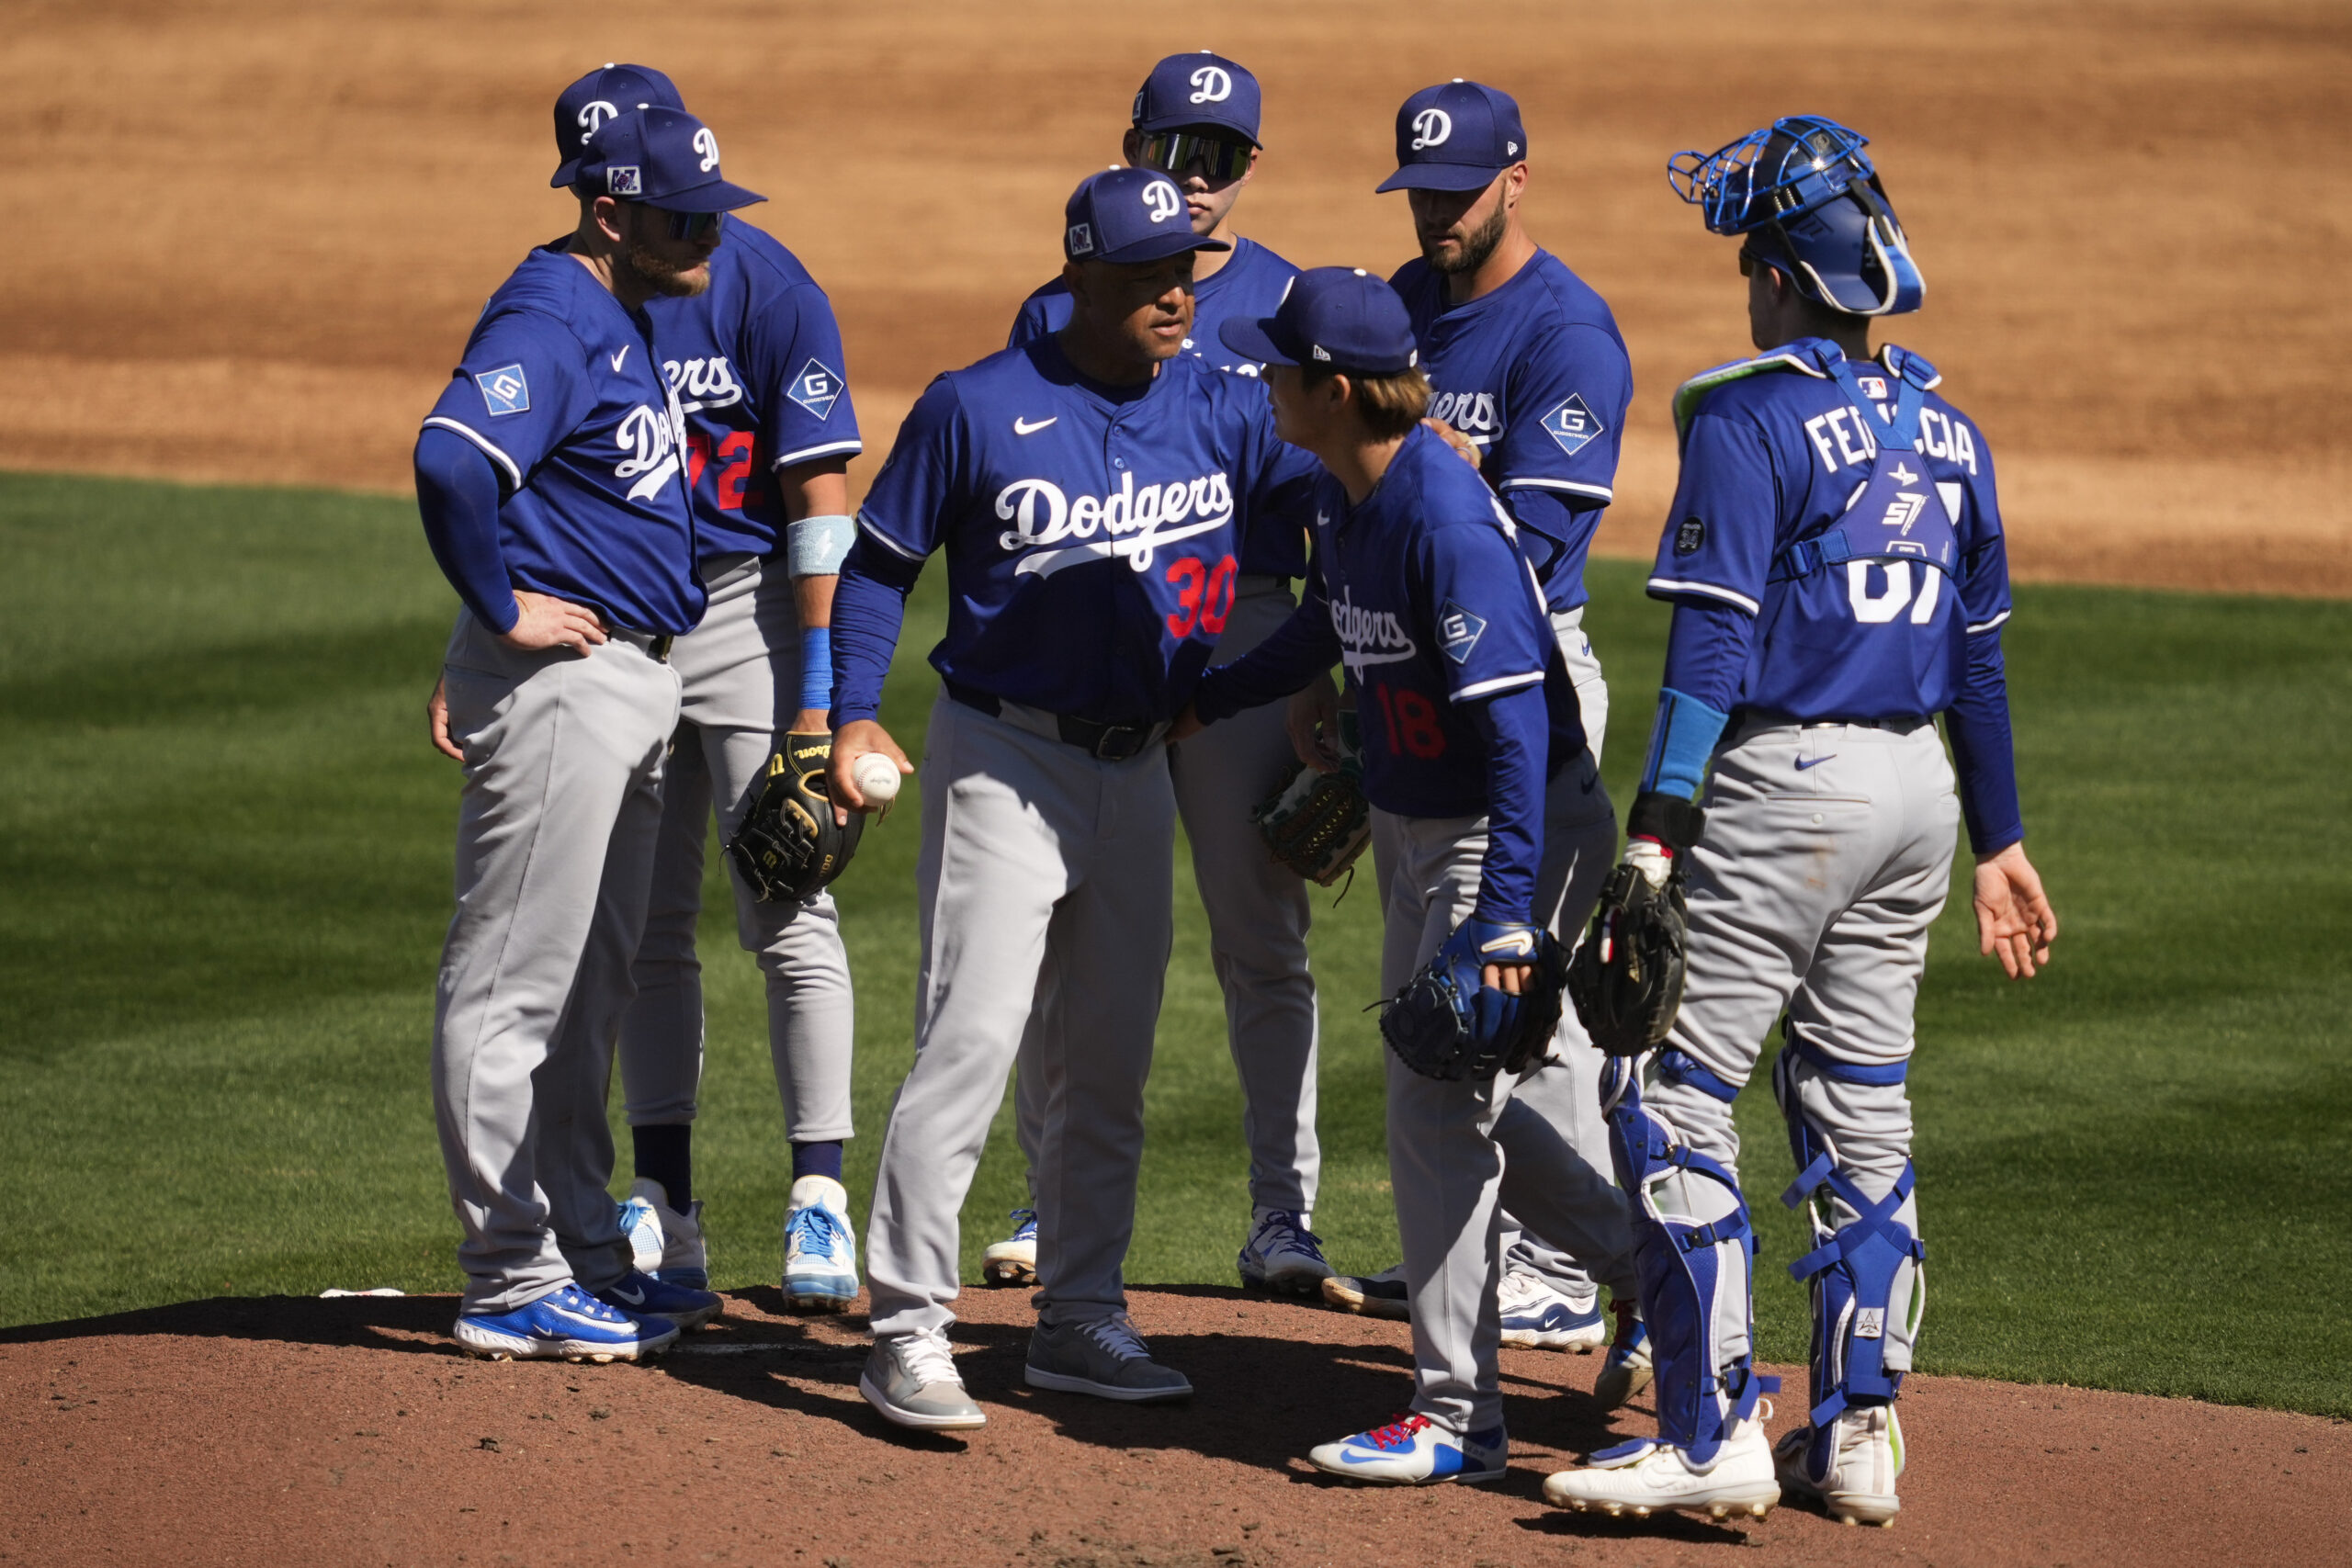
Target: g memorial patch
<point>1573,425</point>
<point>1458,631</point>
<point>816,388</point>
<point>504,390</point>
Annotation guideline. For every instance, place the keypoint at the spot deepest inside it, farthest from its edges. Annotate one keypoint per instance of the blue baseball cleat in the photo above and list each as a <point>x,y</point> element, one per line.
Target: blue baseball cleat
<point>644,1295</point>
<point>820,1249</point>
<point>566,1324</point>
<point>1413,1451</point>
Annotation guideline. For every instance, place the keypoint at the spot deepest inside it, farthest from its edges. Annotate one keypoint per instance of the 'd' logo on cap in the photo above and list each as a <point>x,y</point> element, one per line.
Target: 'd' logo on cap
<point>624,179</point>
<point>1211,84</point>
<point>707,145</point>
<point>1430,127</point>
<point>591,118</point>
<point>1160,199</point>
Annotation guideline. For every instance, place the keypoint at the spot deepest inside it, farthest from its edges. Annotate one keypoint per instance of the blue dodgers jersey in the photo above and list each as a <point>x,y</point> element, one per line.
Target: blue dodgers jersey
<point>1536,374</point>
<point>560,387</point>
<point>1089,537</point>
<point>1865,590</point>
<point>1250,284</point>
<point>756,362</point>
<point>1433,606</point>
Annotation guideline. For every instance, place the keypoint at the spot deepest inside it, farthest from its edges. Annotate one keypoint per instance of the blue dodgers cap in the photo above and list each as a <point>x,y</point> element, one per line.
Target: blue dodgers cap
<point>662,157</point>
<point>1338,316</point>
<point>1129,215</point>
<point>1458,136</point>
<point>581,109</point>
<point>1198,89</point>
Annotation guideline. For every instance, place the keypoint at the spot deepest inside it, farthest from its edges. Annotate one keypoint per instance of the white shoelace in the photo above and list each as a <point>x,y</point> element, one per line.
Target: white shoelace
<point>1117,1336</point>
<point>926,1355</point>
<point>1517,1288</point>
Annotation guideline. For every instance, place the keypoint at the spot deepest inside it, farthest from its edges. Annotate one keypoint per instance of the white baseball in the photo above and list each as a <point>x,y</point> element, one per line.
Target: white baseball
<point>877,778</point>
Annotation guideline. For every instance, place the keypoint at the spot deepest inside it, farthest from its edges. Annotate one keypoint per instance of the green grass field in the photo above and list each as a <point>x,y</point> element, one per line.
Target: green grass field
<point>225,871</point>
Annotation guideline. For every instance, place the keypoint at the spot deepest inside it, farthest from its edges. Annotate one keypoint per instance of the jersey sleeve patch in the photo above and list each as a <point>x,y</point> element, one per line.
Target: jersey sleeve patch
<point>1458,631</point>
<point>504,390</point>
<point>1572,425</point>
<point>816,388</point>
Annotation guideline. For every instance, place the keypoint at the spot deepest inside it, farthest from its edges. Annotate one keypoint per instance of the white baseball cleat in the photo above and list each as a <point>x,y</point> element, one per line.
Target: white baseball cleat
<point>1282,1255</point>
<point>1535,1314</point>
<point>664,1242</point>
<point>820,1247</point>
<point>1864,1459</point>
<point>1413,1451</point>
<point>1651,1477</point>
<point>1014,1260</point>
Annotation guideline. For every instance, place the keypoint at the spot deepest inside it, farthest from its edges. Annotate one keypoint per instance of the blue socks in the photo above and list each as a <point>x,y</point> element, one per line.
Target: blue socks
<point>817,1159</point>
<point>666,1155</point>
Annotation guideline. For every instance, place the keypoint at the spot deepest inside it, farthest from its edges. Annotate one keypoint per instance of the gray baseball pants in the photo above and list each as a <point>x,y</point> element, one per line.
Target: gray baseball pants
<point>739,671</point>
<point>1457,1152</point>
<point>1258,918</point>
<point>1041,868</point>
<point>555,828</point>
<point>1826,857</point>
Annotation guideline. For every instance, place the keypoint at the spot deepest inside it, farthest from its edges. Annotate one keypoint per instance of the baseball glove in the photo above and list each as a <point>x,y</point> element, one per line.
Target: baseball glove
<point>1317,823</point>
<point>1626,977</point>
<point>789,846</point>
<point>1446,1025</point>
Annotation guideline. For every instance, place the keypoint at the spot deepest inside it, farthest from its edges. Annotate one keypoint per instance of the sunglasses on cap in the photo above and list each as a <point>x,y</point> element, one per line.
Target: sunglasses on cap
<point>1177,151</point>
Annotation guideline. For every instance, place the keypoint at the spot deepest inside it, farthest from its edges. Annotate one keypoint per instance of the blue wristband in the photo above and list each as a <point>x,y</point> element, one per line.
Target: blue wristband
<point>817,667</point>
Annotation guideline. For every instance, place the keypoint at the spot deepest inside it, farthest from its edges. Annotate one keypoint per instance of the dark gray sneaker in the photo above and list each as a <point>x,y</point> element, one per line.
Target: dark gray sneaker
<point>912,1379</point>
<point>1104,1358</point>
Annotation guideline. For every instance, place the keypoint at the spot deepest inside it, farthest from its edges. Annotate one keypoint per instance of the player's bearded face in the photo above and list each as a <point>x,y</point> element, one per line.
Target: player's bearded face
<point>1459,228</point>
<point>676,267</point>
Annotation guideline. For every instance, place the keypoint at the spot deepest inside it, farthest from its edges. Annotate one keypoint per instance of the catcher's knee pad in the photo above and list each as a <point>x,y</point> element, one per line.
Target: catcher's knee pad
<point>1694,1252</point>
<point>1868,1276</point>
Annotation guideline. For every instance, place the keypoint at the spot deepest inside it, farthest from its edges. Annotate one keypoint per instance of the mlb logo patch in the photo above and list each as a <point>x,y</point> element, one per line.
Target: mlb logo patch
<point>816,388</point>
<point>624,179</point>
<point>1082,238</point>
<point>1458,631</point>
<point>1873,386</point>
<point>1572,424</point>
<point>504,390</point>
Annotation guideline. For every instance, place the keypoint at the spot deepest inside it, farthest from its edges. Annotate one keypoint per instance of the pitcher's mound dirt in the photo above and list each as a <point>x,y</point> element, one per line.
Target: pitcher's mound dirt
<point>349,1431</point>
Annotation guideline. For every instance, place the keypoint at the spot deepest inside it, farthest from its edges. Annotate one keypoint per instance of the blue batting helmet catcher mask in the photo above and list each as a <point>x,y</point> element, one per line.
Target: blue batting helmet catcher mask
<point>1807,193</point>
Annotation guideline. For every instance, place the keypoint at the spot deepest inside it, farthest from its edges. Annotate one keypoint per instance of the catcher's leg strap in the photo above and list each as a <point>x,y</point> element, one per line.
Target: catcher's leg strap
<point>1679,1066</point>
<point>1694,1267</point>
<point>1868,1276</point>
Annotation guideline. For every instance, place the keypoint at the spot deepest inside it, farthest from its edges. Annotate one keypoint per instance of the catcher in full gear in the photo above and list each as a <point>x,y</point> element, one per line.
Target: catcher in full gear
<point>1490,833</point>
<point>1835,564</point>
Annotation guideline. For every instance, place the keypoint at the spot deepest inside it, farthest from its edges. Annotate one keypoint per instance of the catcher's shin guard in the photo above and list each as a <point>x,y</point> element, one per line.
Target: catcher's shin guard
<point>1695,1255</point>
<point>1868,1277</point>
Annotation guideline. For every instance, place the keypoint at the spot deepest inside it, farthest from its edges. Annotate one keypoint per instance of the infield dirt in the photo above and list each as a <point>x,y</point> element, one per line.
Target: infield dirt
<point>250,237</point>
<point>286,1430</point>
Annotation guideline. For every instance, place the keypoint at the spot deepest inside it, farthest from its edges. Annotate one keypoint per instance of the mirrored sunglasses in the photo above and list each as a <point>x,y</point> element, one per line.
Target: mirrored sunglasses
<point>1179,151</point>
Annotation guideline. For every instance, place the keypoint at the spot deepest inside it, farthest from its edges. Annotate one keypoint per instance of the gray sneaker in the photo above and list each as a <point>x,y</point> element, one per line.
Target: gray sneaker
<point>1104,1358</point>
<point>912,1379</point>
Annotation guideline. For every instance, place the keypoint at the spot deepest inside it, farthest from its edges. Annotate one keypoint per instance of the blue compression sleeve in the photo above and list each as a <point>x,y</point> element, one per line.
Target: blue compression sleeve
<point>816,667</point>
<point>1545,526</point>
<point>1983,750</point>
<point>1301,649</point>
<point>1516,726</point>
<point>1706,653</point>
<point>457,493</point>
<point>869,608</point>
<point>1682,737</point>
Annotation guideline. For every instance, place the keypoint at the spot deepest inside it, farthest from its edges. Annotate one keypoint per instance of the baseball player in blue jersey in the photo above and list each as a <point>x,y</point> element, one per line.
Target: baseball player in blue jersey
<point>1196,120</point>
<point>550,477</point>
<point>1089,491</point>
<point>1524,360</point>
<point>1488,819</point>
<point>1839,577</point>
<point>755,358</point>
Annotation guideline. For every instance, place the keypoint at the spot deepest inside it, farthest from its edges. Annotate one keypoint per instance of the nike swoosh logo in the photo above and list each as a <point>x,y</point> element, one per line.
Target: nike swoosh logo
<point>1023,427</point>
<point>1362,1456</point>
<point>618,357</point>
<point>634,1298</point>
<point>1805,762</point>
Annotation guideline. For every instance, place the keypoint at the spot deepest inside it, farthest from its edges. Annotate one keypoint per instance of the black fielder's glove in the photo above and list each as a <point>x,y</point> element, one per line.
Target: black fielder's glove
<point>1446,1025</point>
<point>1626,977</point>
<point>789,846</point>
<point>1317,823</point>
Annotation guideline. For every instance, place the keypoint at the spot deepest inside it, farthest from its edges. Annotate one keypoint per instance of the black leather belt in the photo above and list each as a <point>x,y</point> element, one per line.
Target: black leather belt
<point>656,644</point>
<point>1896,725</point>
<point>1104,742</point>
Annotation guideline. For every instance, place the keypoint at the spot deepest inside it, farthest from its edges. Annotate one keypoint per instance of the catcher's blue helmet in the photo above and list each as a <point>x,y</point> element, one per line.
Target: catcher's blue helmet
<point>1805,190</point>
